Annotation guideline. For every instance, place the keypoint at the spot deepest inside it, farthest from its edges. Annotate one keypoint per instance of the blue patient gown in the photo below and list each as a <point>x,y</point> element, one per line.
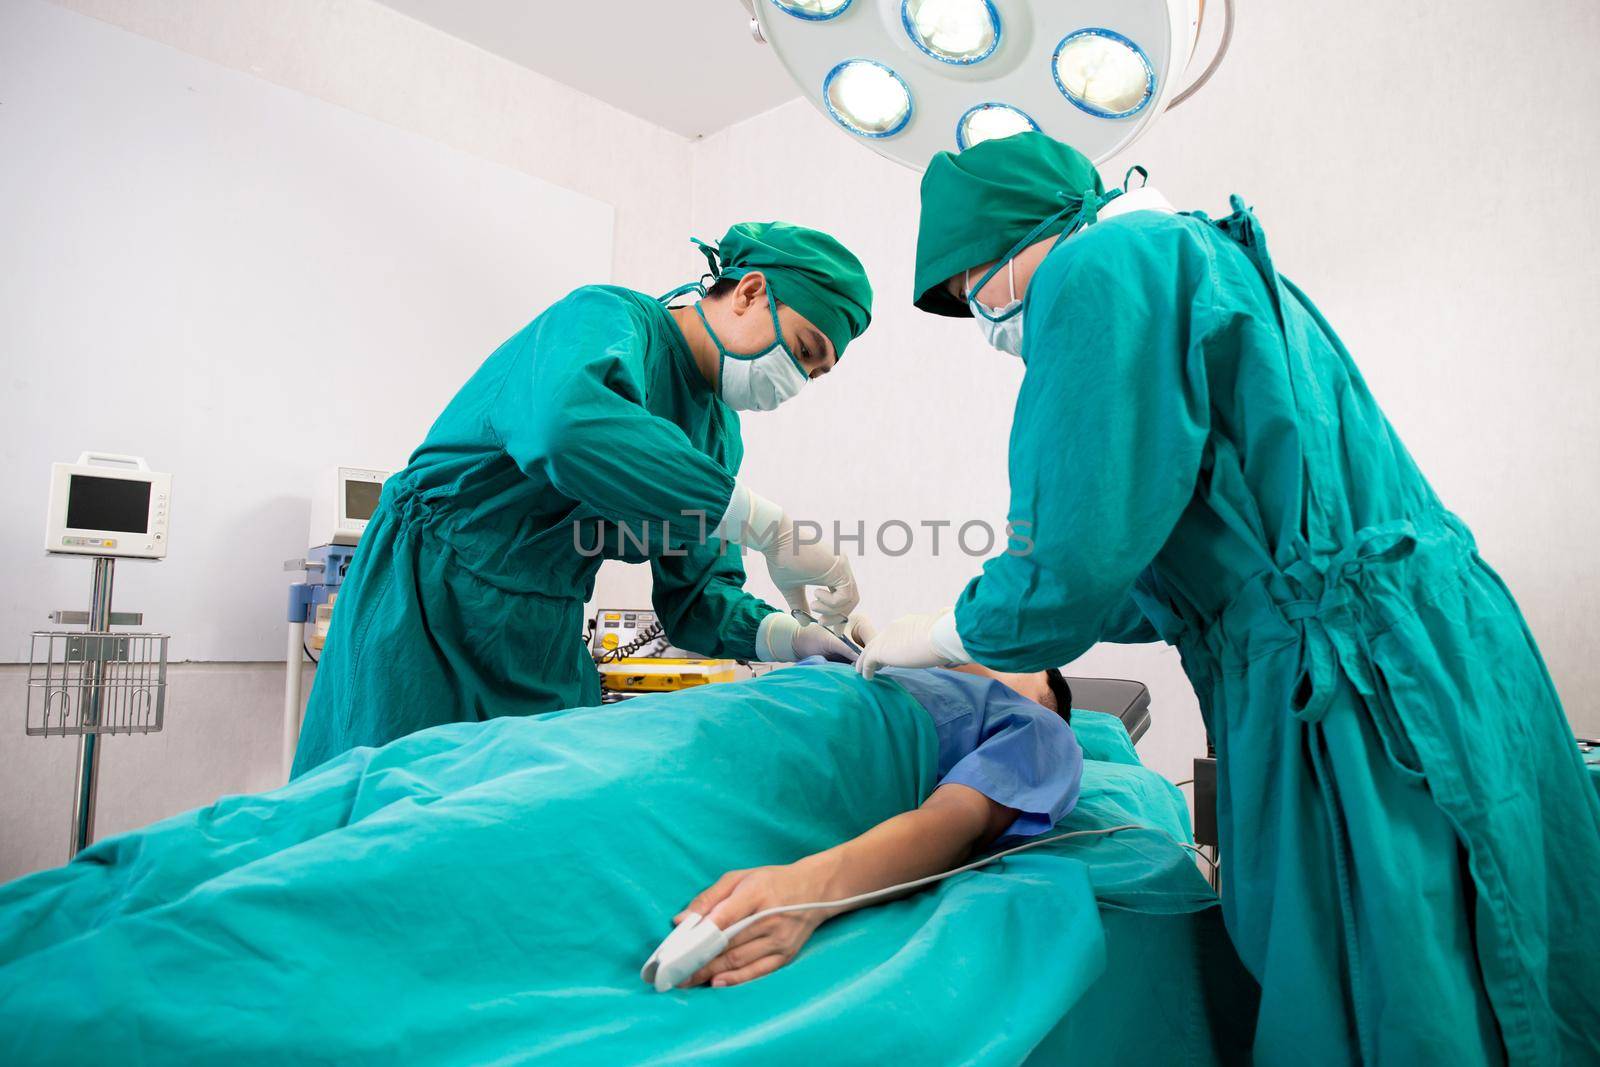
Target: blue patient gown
<point>1001,744</point>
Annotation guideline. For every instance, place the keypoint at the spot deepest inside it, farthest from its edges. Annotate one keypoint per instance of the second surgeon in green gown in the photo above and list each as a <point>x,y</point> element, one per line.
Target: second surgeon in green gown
<point>1410,852</point>
<point>605,429</point>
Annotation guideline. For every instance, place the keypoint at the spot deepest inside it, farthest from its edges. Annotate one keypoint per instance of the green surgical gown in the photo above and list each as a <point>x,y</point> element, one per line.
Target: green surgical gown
<point>590,435</point>
<point>1411,851</point>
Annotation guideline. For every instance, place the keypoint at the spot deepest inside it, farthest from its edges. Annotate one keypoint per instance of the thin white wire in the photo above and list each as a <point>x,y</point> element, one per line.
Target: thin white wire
<point>893,890</point>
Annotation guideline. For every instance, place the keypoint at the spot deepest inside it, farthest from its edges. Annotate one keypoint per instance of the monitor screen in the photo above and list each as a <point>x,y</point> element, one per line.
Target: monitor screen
<point>361,499</point>
<point>120,504</point>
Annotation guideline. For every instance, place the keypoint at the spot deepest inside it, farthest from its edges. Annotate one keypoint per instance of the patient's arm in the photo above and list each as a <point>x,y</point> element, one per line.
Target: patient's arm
<point>935,837</point>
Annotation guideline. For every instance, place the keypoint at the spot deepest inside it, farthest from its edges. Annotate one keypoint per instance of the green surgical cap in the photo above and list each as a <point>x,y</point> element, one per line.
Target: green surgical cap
<point>978,203</point>
<point>806,269</point>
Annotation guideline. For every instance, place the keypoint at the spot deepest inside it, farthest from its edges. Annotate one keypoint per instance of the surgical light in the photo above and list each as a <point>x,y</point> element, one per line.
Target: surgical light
<point>867,98</point>
<point>991,120</point>
<point>813,10</point>
<point>916,77</point>
<point>954,31</point>
<point>1104,73</point>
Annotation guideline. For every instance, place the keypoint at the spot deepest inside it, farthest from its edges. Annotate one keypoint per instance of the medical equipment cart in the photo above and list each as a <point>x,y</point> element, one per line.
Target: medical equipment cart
<point>97,681</point>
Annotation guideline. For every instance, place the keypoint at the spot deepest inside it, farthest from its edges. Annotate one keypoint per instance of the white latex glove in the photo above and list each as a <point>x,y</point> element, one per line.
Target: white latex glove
<point>859,629</point>
<point>784,639</point>
<point>815,640</point>
<point>794,566</point>
<point>914,641</point>
<point>760,524</point>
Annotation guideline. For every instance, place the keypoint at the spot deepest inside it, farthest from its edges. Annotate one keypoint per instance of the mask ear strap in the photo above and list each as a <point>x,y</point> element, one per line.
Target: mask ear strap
<point>723,355</point>
<point>721,351</point>
<point>777,335</point>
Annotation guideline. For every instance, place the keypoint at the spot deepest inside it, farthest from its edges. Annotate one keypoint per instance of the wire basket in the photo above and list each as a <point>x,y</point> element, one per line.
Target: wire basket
<point>96,683</point>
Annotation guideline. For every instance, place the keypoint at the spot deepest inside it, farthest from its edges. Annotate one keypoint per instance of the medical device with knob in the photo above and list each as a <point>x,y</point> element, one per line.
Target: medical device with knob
<point>914,77</point>
<point>95,682</point>
<point>342,503</point>
<point>697,941</point>
<point>634,656</point>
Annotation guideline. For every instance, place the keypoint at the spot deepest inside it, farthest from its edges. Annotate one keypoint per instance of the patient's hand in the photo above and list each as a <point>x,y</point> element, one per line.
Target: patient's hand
<point>911,845</point>
<point>774,941</point>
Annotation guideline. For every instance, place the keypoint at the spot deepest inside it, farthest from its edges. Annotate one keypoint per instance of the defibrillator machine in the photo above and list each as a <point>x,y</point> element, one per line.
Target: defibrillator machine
<point>633,655</point>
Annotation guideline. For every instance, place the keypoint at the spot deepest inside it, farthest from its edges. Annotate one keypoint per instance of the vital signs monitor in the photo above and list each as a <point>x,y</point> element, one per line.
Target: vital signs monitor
<point>344,502</point>
<point>108,505</point>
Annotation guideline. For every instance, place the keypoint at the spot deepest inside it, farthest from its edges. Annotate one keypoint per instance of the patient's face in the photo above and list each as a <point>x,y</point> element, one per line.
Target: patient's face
<point>1033,686</point>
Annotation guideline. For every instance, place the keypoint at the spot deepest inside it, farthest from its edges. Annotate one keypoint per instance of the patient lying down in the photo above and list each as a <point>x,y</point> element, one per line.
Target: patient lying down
<point>1008,765</point>
<point>476,890</point>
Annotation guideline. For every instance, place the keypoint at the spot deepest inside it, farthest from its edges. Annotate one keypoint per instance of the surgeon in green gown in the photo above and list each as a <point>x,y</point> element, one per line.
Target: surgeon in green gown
<point>608,428</point>
<point>1411,853</point>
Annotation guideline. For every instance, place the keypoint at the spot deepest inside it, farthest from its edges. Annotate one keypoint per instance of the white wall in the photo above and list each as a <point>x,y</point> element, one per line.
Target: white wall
<point>1442,218</point>
<point>246,286</point>
<point>371,59</point>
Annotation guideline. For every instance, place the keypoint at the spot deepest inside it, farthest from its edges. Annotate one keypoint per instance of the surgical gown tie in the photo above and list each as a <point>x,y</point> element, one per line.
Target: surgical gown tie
<point>1329,606</point>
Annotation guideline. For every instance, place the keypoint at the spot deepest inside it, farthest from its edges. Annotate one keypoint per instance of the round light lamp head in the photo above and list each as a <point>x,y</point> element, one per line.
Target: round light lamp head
<point>952,31</point>
<point>867,98</point>
<point>988,121</point>
<point>1103,73</point>
<point>813,10</point>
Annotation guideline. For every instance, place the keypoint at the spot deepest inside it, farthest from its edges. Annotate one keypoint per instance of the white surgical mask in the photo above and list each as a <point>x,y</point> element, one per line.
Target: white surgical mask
<point>1001,327</point>
<point>762,381</point>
